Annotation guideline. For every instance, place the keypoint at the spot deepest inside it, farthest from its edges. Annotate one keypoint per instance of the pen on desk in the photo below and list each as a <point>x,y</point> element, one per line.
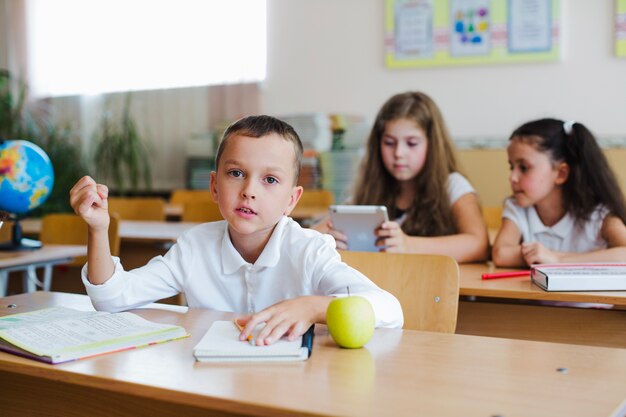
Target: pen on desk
<point>240,327</point>
<point>510,274</point>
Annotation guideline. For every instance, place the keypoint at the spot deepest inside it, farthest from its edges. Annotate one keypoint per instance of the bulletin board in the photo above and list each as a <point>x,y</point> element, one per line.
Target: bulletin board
<point>620,28</point>
<point>429,33</point>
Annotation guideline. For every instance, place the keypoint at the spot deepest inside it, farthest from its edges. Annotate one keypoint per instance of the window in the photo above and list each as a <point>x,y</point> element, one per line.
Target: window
<point>97,46</point>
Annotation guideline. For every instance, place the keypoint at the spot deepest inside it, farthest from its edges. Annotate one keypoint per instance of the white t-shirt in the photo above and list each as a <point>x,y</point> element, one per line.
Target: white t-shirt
<point>206,267</point>
<point>564,236</point>
<point>458,186</point>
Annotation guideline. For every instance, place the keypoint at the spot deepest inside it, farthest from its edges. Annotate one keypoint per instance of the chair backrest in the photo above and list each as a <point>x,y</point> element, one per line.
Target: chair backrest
<point>181,196</point>
<point>316,198</point>
<point>204,211</point>
<point>6,231</point>
<point>427,286</point>
<point>138,208</point>
<point>492,216</point>
<point>70,229</point>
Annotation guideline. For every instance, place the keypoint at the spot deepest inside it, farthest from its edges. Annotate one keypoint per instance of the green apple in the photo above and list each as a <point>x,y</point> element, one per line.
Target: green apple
<point>350,321</point>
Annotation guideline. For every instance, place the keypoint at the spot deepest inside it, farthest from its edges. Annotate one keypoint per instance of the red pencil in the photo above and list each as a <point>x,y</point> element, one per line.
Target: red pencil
<point>509,274</point>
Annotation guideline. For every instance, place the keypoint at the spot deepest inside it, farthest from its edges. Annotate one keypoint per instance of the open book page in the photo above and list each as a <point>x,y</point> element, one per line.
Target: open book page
<point>221,343</point>
<point>65,334</point>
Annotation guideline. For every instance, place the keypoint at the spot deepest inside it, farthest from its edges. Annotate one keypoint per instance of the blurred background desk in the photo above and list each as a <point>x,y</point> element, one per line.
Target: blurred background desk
<point>517,308</point>
<point>27,262</point>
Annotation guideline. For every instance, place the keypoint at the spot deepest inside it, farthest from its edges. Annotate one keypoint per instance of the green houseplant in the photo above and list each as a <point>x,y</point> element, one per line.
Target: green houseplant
<point>121,157</point>
<point>20,119</point>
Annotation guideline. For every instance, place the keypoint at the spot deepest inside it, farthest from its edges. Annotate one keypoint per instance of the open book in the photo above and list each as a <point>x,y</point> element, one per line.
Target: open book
<point>221,344</point>
<point>60,334</point>
<point>580,277</point>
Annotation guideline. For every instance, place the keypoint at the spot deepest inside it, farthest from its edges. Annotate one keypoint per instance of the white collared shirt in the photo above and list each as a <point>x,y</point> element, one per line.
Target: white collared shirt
<point>206,267</point>
<point>565,235</point>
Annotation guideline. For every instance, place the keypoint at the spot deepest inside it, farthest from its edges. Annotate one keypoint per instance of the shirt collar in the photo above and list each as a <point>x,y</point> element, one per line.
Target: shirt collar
<point>562,228</point>
<point>232,260</point>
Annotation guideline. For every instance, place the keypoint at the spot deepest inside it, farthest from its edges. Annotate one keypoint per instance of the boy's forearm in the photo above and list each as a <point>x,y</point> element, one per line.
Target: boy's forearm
<point>321,303</point>
<point>100,266</point>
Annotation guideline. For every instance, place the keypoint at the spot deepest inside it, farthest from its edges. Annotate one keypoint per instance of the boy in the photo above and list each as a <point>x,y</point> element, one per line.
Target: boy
<point>256,260</point>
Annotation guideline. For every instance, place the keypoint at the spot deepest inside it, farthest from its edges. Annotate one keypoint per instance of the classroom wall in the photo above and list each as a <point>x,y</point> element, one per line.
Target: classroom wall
<point>4,46</point>
<point>327,55</point>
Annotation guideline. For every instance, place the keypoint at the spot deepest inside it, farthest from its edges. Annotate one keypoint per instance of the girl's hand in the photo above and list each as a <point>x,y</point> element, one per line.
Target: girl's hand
<point>290,317</point>
<point>89,201</point>
<point>341,240</point>
<point>391,238</point>
<point>536,253</point>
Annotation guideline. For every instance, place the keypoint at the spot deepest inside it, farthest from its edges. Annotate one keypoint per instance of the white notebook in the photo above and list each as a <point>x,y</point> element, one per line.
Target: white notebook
<point>221,344</point>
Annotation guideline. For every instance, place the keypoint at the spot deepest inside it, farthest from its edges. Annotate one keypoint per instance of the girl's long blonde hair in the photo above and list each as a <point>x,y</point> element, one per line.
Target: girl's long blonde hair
<point>430,212</point>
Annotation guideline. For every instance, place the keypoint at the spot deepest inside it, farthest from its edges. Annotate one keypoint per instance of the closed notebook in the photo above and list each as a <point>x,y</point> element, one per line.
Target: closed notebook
<point>580,277</point>
<point>221,344</point>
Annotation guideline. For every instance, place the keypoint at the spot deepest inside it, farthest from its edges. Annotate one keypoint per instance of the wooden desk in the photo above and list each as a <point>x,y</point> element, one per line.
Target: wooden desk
<point>399,373</point>
<point>522,288</point>
<point>516,308</point>
<point>29,261</point>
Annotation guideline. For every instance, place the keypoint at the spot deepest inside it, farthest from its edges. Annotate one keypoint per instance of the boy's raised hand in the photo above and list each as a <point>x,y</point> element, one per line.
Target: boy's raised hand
<point>89,201</point>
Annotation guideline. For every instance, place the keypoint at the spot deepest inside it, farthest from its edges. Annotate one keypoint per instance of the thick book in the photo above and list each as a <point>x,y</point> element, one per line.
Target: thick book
<point>221,344</point>
<point>59,334</point>
<point>580,277</point>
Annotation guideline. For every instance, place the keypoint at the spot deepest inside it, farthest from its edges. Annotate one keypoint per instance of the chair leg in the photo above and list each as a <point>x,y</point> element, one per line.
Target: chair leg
<point>4,282</point>
<point>47,277</point>
<point>30,282</point>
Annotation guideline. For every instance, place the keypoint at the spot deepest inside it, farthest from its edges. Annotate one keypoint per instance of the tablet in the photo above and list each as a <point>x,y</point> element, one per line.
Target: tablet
<point>359,223</point>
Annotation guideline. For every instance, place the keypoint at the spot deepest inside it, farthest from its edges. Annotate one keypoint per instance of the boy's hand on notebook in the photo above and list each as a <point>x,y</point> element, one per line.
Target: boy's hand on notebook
<point>290,317</point>
<point>536,253</point>
<point>89,201</point>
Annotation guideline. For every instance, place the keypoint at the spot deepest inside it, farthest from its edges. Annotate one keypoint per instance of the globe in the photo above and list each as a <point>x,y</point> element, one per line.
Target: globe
<point>26,176</point>
<point>26,180</point>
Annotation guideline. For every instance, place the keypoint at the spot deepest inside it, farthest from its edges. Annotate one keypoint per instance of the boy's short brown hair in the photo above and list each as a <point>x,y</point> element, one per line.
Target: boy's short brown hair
<point>259,126</point>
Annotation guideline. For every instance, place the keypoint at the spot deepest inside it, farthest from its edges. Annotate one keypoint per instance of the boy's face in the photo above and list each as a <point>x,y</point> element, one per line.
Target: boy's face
<point>254,184</point>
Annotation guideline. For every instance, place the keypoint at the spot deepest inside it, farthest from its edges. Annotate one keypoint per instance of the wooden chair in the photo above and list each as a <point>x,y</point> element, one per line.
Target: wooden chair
<point>427,286</point>
<point>203,211</point>
<point>316,198</point>
<point>492,215</point>
<point>70,229</point>
<point>140,208</point>
<point>6,231</point>
<point>181,196</point>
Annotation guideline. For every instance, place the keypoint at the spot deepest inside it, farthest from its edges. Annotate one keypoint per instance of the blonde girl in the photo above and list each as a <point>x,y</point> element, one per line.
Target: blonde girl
<point>566,206</point>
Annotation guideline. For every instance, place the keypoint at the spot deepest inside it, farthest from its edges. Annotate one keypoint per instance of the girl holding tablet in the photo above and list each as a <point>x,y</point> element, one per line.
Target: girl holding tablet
<point>410,168</point>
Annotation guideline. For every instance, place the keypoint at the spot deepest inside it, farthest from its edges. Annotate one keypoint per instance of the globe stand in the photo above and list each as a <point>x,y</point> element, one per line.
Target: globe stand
<point>18,242</point>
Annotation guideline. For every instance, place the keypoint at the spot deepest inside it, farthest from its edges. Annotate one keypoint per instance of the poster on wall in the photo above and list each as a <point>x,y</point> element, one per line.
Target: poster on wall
<point>470,31</point>
<point>413,29</point>
<point>530,26</point>
<point>428,33</point>
<point>620,28</point>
